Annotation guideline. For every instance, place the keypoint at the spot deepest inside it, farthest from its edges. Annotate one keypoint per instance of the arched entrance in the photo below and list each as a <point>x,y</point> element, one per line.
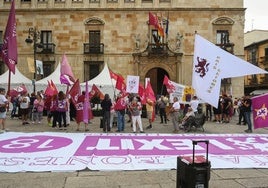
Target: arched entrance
<point>156,76</point>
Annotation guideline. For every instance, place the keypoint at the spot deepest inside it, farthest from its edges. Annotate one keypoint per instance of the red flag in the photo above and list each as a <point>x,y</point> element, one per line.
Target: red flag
<point>96,92</point>
<point>149,92</point>
<point>153,20</point>
<point>113,75</point>
<point>66,69</point>
<point>120,83</point>
<point>75,92</point>
<point>150,97</point>
<point>170,87</point>
<point>260,111</point>
<point>9,50</point>
<point>54,88</point>
<point>120,104</point>
<point>142,94</point>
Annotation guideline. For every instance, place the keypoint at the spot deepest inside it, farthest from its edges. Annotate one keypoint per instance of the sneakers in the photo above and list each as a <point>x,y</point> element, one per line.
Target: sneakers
<point>149,127</point>
<point>141,131</point>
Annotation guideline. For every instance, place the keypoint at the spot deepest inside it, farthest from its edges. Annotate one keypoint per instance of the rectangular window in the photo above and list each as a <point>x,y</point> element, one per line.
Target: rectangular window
<point>46,41</point>
<point>112,1</point>
<point>129,1</point>
<point>25,0</point>
<point>222,37</point>
<point>94,1</point>
<point>59,0</point>
<point>147,1</point>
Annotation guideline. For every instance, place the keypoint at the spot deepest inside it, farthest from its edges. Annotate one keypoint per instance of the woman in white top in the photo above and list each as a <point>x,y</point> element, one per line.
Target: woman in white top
<point>3,108</point>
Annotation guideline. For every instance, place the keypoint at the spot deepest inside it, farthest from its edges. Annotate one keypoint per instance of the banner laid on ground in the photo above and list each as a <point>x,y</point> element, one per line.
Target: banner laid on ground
<point>76,151</point>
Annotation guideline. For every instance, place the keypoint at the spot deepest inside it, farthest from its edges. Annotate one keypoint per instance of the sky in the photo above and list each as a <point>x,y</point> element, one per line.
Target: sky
<point>256,15</point>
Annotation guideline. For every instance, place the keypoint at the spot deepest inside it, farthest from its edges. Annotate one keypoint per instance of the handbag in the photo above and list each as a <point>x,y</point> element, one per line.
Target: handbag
<point>2,109</point>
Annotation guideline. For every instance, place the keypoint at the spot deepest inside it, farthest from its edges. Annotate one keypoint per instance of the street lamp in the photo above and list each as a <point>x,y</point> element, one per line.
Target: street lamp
<point>33,37</point>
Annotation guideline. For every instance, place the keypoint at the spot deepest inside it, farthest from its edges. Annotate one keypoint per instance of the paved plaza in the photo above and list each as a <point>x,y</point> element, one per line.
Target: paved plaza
<point>233,178</point>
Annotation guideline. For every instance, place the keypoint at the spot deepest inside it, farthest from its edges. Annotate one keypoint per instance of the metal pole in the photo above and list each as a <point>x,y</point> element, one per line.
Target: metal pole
<point>34,46</point>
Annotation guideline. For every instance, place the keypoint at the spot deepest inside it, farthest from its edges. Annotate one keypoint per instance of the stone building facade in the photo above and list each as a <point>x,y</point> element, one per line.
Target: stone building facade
<point>116,32</point>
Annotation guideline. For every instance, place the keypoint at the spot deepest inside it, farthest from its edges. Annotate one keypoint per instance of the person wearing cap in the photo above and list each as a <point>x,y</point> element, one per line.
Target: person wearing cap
<point>3,107</point>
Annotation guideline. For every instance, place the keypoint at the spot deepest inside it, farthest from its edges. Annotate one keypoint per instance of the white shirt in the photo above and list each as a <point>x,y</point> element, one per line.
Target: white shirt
<point>176,106</point>
<point>194,104</point>
<point>3,99</point>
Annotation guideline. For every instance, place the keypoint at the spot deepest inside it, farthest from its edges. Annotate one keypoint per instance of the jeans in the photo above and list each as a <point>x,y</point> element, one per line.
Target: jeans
<point>120,121</point>
<point>248,120</point>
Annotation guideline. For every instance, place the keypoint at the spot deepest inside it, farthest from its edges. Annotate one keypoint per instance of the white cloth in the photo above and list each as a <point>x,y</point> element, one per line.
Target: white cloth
<point>194,104</point>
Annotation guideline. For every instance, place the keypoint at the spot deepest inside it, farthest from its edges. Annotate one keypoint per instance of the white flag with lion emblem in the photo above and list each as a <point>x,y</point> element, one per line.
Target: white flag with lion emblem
<point>211,64</point>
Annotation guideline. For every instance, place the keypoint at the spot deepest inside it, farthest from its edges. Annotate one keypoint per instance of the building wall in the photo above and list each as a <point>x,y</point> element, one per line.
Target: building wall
<point>123,21</point>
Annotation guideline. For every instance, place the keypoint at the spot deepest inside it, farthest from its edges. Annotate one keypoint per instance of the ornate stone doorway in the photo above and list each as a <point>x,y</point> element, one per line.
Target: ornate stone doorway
<point>156,76</point>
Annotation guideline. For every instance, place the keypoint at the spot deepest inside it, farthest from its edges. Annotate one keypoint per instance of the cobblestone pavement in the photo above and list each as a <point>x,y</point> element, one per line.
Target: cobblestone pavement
<point>226,178</point>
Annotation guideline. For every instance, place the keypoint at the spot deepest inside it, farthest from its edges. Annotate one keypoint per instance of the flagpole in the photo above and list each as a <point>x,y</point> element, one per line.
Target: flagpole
<point>111,80</point>
<point>8,84</point>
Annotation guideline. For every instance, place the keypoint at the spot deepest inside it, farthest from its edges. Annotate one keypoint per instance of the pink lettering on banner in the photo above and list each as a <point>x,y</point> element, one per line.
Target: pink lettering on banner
<point>169,145</point>
<point>30,144</point>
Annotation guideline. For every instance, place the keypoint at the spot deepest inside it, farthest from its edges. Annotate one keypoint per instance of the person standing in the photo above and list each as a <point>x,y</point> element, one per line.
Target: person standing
<point>150,112</point>
<point>247,113</point>
<point>62,108</point>
<point>174,113</point>
<point>135,110</point>
<point>120,108</point>
<point>3,108</point>
<point>38,108</point>
<point>106,104</point>
<point>162,109</point>
<point>24,101</point>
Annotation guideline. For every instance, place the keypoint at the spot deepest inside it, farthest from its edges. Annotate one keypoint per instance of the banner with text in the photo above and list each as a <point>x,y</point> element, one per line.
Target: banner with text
<point>101,151</point>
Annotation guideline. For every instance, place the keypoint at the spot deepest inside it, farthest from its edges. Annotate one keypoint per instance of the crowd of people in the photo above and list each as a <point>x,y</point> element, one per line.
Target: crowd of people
<point>58,109</point>
<point>228,107</point>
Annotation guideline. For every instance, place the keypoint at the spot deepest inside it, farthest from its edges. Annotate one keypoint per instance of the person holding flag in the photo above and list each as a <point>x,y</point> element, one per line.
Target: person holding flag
<point>3,108</point>
<point>120,108</point>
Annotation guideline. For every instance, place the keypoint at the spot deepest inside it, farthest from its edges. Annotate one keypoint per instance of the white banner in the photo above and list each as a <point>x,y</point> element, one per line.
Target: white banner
<point>50,151</point>
<point>133,84</point>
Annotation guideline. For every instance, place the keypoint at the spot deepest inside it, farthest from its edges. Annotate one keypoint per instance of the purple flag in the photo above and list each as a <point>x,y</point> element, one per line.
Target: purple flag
<point>86,105</point>
<point>64,80</point>
<point>260,111</point>
<point>9,50</point>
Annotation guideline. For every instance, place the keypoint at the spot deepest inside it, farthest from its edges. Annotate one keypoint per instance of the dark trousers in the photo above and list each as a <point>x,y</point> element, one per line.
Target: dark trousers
<point>241,116</point>
<point>62,116</point>
<point>163,115</point>
<point>106,121</point>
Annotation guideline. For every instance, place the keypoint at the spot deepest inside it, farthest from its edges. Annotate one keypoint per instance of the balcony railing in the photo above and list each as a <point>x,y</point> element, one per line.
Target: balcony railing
<point>90,48</point>
<point>46,48</point>
<point>157,49</point>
